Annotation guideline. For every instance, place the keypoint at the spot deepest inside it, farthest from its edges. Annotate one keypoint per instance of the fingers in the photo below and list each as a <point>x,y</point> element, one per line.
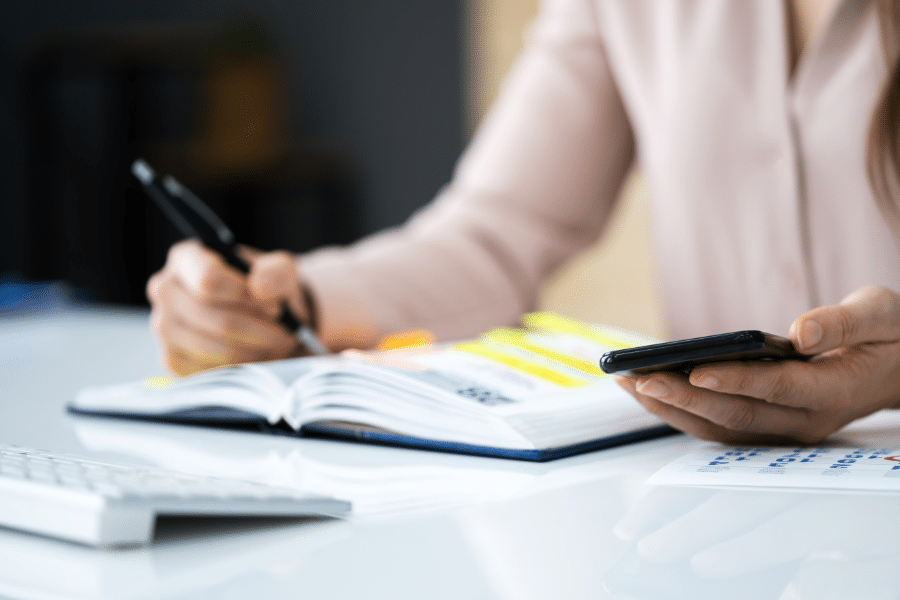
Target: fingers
<point>248,253</point>
<point>870,314</point>
<point>841,385</point>
<point>680,419</point>
<point>229,325</point>
<point>274,280</point>
<point>206,314</point>
<point>854,371</point>
<point>204,336</point>
<point>789,383</point>
<point>203,272</point>
<point>181,363</point>
<point>710,415</point>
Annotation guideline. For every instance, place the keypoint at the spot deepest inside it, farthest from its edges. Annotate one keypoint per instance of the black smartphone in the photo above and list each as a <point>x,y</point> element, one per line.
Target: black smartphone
<point>684,355</point>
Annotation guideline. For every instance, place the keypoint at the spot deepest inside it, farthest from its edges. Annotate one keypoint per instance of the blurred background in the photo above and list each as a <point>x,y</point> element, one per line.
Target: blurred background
<point>302,123</point>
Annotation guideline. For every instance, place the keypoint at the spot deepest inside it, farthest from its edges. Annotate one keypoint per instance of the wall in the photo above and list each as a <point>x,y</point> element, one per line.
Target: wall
<point>614,282</point>
<point>380,79</point>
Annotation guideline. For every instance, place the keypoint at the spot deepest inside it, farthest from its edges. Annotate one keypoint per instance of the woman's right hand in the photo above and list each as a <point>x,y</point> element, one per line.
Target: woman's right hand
<point>208,314</point>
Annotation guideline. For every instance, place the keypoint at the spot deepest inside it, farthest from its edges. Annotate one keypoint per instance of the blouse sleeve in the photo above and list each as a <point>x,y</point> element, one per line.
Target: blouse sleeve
<point>535,186</point>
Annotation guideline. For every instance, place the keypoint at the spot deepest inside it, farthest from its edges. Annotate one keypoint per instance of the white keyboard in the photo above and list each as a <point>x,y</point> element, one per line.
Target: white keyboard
<point>108,504</point>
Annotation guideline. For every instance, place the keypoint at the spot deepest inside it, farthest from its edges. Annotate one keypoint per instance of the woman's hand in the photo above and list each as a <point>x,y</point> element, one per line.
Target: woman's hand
<point>208,314</point>
<point>854,371</point>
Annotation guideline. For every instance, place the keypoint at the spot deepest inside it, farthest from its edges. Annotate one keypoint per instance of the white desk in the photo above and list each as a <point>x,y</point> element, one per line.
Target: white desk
<point>428,525</point>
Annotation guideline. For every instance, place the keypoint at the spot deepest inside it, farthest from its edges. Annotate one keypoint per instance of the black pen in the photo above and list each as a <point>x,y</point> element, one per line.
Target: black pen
<point>195,219</point>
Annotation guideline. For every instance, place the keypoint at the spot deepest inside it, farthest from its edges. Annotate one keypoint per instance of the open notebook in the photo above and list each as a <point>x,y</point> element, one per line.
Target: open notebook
<point>532,393</point>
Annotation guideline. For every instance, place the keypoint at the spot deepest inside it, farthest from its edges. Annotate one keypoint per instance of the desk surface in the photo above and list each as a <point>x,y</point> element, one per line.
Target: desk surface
<point>427,525</point>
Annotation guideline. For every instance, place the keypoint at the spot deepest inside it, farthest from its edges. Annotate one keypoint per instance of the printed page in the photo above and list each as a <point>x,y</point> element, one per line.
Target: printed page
<point>505,372</point>
<point>847,468</point>
<point>540,385</point>
<point>250,388</point>
<point>419,402</point>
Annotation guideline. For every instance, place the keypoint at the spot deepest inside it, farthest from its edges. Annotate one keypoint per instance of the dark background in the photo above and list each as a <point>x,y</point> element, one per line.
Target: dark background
<point>368,100</point>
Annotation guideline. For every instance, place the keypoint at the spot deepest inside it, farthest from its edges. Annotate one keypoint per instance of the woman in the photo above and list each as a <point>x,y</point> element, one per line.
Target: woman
<point>751,120</point>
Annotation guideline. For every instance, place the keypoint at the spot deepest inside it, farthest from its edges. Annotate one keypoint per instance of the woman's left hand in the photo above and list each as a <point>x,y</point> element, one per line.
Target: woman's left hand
<point>854,371</point>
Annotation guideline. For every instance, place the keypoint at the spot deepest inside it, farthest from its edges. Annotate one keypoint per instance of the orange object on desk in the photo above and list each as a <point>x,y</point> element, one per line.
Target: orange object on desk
<point>406,339</point>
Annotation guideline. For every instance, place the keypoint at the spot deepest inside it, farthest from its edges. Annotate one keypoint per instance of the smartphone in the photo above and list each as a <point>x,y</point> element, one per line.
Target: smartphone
<point>684,355</point>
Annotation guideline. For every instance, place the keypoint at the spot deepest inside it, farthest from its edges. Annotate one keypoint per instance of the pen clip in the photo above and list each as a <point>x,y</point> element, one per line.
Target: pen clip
<point>189,214</point>
<point>199,208</point>
<point>147,176</point>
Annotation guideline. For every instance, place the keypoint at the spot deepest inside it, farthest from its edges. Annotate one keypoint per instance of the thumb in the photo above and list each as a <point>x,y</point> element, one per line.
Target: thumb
<point>249,253</point>
<point>870,314</point>
<point>274,279</point>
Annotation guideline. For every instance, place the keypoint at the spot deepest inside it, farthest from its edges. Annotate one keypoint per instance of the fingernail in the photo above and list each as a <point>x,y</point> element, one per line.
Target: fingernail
<point>654,388</point>
<point>810,334</point>
<point>706,381</point>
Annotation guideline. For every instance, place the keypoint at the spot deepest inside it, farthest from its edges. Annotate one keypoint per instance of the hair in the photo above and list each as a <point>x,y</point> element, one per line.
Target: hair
<point>882,151</point>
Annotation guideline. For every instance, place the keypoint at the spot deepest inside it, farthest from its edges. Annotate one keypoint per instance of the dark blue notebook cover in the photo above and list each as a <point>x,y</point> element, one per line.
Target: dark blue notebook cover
<point>360,434</point>
<point>247,421</point>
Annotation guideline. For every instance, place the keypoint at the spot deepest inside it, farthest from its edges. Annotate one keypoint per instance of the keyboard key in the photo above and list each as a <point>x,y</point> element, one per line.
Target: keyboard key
<point>137,489</point>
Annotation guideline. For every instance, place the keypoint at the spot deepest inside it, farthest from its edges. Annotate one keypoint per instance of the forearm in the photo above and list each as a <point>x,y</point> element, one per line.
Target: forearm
<point>535,186</point>
<point>452,272</point>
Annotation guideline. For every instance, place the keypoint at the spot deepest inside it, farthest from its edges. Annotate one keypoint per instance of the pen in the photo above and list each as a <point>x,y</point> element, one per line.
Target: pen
<point>195,219</point>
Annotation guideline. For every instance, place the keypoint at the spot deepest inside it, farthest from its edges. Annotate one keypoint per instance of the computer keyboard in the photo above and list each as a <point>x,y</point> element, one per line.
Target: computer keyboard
<point>108,504</point>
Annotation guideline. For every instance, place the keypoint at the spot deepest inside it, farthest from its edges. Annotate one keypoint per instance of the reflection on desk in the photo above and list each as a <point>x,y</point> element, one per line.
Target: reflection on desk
<point>382,483</point>
<point>181,563</point>
<point>430,525</point>
<point>736,544</point>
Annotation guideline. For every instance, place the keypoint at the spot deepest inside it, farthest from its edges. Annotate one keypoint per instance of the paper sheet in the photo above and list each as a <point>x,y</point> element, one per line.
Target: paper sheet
<point>843,468</point>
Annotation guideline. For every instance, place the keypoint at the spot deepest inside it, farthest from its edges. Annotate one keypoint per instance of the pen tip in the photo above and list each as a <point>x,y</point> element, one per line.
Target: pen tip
<point>142,171</point>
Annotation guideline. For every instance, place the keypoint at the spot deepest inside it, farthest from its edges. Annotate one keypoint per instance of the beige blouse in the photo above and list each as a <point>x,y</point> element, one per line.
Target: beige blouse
<point>762,209</point>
